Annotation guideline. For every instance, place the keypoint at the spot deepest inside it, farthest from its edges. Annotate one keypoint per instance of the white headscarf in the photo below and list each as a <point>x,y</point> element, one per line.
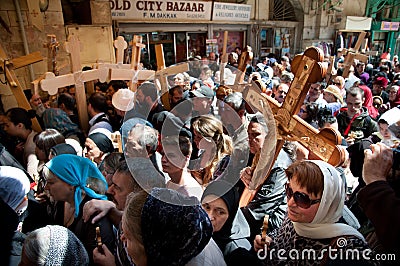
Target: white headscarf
<point>324,225</point>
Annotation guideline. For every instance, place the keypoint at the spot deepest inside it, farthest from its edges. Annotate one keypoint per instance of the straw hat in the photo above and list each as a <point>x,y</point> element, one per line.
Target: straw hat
<point>123,99</point>
<point>335,91</point>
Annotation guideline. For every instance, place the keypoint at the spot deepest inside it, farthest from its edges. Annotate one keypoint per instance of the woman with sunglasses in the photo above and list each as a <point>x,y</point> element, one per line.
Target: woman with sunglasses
<point>315,197</point>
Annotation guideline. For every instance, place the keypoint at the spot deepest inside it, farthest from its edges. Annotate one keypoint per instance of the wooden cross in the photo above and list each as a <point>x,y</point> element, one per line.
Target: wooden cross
<point>224,60</point>
<point>51,83</point>
<point>7,66</point>
<point>245,56</point>
<point>52,45</point>
<point>353,54</point>
<point>133,71</point>
<point>324,144</point>
<point>163,72</point>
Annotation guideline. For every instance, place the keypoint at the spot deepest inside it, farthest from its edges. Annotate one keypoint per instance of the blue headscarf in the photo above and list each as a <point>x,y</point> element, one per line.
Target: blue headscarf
<point>75,170</point>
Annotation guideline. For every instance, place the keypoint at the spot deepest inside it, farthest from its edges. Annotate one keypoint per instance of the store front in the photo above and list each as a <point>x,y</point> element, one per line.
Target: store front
<point>185,29</point>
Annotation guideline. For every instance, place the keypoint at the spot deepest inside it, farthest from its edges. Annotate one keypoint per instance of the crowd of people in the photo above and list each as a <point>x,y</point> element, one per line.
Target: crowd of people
<point>169,191</point>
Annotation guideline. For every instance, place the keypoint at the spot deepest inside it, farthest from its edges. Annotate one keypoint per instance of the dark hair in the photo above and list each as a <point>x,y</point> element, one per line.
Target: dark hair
<point>103,86</point>
<point>172,90</point>
<point>117,84</point>
<point>149,89</point>
<point>113,160</point>
<point>258,118</point>
<point>354,91</point>
<point>47,139</point>
<point>324,115</point>
<point>312,110</point>
<point>68,100</point>
<point>19,115</point>
<point>99,102</point>
<point>185,146</point>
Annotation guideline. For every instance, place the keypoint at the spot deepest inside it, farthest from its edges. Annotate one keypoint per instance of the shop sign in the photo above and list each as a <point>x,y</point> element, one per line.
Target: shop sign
<point>211,41</point>
<point>231,12</point>
<point>160,10</point>
<point>387,25</point>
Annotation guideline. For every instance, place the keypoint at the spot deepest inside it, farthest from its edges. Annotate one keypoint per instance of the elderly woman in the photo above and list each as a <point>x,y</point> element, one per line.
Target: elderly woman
<point>168,228</point>
<point>75,180</point>
<point>230,229</point>
<point>214,147</point>
<point>315,194</point>
<point>97,146</point>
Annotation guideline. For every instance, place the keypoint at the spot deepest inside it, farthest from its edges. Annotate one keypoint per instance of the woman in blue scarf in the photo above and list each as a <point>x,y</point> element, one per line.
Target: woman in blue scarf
<point>75,180</point>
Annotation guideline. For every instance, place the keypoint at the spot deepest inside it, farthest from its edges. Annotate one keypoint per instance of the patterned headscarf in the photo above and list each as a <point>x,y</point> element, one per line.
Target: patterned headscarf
<point>59,120</point>
<point>173,234</point>
<point>64,248</point>
<point>75,170</point>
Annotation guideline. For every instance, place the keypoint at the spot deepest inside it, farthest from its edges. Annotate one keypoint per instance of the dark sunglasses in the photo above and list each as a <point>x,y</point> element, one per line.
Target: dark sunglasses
<point>302,200</point>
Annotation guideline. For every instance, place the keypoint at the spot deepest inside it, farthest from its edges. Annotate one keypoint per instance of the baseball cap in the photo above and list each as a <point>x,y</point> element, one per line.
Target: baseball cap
<point>203,91</point>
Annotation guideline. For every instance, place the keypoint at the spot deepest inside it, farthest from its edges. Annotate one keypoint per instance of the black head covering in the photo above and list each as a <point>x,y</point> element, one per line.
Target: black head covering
<point>102,142</point>
<point>175,228</point>
<point>231,197</point>
<point>63,148</point>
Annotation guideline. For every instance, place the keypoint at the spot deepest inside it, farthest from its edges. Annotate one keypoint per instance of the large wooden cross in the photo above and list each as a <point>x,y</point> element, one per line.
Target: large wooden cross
<point>163,72</point>
<point>352,54</point>
<point>7,67</point>
<point>132,72</point>
<point>51,83</point>
<point>324,144</point>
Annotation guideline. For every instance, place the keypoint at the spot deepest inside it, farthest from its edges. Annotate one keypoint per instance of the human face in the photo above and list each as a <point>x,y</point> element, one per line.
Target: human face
<point>202,105</point>
<point>58,189</point>
<point>336,82</point>
<point>376,89</point>
<point>172,159</point>
<point>120,188</point>
<point>41,155</point>
<point>108,173</point>
<point>256,137</point>
<point>91,150</point>
<point>354,104</point>
<point>217,211</point>
<point>177,96</point>
<point>329,97</point>
<point>134,247</point>
<point>297,213</point>
<point>314,90</point>
<point>140,96</point>
<point>303,114</point>
<point>384,130</point>
<point>35,100</point>
<point>11,129</point>
<point>392,94</point>
<point>202,142</point>
<point>281,92</point>
<point>132,147</point>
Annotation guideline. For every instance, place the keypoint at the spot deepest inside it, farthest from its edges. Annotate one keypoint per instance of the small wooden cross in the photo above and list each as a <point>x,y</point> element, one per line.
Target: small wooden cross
<point>52,45</point>
<point>353,54</point>
<point>324,144</point>
<point>51,83</point>
<point>7,66</point>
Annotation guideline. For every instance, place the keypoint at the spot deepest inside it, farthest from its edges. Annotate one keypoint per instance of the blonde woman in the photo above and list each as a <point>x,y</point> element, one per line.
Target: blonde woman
<point>214,147</point>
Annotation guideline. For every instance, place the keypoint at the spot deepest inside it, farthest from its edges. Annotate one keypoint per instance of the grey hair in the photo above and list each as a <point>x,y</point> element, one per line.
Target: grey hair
<point>148,137</point>
<point>36,246</point>
<point>236,101</point>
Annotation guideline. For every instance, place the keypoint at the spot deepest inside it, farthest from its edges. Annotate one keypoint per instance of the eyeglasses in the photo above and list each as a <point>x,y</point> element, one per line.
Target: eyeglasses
<point>302,200</point>
<point>335,83</point>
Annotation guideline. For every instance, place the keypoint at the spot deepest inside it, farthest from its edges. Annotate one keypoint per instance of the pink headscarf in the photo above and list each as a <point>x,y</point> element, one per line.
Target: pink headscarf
<point>368,101</point>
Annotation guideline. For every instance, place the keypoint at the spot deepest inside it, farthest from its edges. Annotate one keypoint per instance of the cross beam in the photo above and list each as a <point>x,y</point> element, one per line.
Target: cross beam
<point>7,66</point>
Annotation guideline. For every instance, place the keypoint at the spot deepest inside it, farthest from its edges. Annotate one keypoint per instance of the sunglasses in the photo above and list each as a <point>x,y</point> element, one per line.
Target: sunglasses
<point>335,83</point>
<point>302,200</point>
